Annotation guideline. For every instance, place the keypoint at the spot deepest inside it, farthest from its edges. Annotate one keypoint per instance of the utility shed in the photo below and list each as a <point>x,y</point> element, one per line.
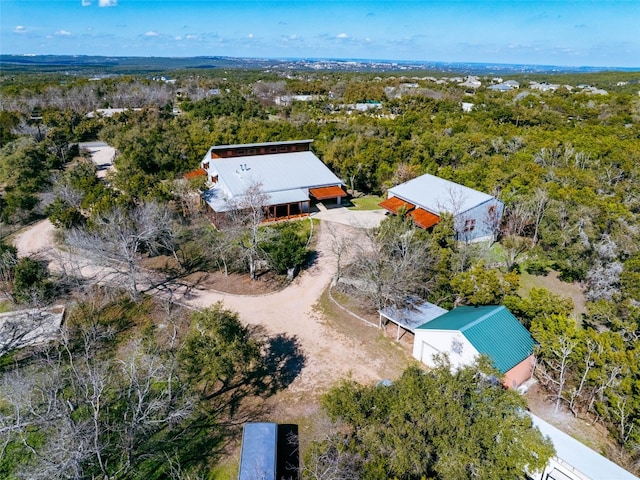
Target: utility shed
<point>410,317</point>
<point>464,333</point>
<point>28,327</point>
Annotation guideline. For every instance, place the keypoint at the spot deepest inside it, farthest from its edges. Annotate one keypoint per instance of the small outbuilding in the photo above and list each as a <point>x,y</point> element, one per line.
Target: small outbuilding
<point>574,460</point>
<point>464,333</point>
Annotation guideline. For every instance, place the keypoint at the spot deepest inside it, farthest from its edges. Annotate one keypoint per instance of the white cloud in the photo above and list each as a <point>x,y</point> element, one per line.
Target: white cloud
<point>193,37</point>
<point>63,33</point>
<point>108,3</point>
<point>293,37</point>
<point>20,29</point>
<point>342,35</point>
<point>250,35</point>
<point>86,3</point>
<point>151,34</point>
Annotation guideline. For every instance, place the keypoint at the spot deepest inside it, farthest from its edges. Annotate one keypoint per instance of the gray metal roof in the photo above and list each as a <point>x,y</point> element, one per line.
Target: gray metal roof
<point>254,145</point>
<point>414,315</point>
<point>276,172</point>
<point>438,195</point>
<point>218,198</point>
<point>580,457</point>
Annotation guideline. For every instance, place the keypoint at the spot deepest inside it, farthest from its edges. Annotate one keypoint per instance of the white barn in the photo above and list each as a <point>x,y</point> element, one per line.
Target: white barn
<point>476,214</point>
<point>289,175</point>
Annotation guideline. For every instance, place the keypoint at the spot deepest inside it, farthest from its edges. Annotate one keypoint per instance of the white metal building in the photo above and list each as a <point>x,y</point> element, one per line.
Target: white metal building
<point>288,174</point>
<point>476,214</point>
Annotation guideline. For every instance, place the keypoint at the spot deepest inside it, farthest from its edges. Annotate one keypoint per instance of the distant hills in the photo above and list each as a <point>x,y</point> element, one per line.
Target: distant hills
<point>130,65</point>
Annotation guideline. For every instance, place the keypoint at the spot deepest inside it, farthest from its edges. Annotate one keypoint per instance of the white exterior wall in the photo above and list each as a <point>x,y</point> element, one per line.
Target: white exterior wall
<point>428,343</point>
<point>482,218</point>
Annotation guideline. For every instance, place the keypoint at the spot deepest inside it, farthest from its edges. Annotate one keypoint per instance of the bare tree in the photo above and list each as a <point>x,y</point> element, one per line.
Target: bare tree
<point>247,215</point>
<point>539,205</point>
<point>392,263</point>
<point>8,262</point>
<point>340,246</point>
<point>119,237</point>
<point>95,412</point>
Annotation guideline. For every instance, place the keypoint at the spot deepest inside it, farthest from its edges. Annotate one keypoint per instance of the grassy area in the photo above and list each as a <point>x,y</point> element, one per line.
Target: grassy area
<point>552,283</point>
<point>368,202</point>
<point>6,306</point>
<point>225,471</point>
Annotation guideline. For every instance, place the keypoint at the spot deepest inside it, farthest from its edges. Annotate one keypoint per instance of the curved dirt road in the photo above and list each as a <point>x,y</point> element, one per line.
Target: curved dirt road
<point>329,355</point>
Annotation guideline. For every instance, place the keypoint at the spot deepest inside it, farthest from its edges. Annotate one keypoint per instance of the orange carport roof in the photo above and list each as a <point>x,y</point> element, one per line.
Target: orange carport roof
<point>200,172</point>
<point>393,204</point>
<point>424,219</point>
<point>323,193</point>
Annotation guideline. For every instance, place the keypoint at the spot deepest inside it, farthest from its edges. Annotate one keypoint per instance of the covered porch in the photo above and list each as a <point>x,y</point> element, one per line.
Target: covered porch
<point>421,217</point>
<point>328,193</point>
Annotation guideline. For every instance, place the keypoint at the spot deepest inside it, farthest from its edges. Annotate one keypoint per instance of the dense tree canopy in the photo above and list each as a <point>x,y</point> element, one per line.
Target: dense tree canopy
<point>435,424</point>
<point>564,162</point>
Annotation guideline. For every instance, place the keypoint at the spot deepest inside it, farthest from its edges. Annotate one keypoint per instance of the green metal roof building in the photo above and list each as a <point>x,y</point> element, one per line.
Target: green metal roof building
<point>465,332</point>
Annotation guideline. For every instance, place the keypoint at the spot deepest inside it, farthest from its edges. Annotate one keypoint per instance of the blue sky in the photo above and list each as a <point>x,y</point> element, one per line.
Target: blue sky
<point>567,33</point>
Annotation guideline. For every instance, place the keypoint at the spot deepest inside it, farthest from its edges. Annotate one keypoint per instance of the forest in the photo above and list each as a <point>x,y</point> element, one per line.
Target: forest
<point>565,162</point>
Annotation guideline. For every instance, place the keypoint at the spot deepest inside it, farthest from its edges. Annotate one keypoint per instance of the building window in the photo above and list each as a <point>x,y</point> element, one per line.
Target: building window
<point>251,151</point>
<point>469,225</point>
<point>273,149</point>
<point>283,149</point>
<point>205,165</point>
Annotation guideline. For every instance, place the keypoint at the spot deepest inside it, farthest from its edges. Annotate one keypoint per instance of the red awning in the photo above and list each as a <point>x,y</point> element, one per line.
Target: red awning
<point>323,193</point>
<point>424,219</point>
<point>200,172</point>
<point>393,204</point>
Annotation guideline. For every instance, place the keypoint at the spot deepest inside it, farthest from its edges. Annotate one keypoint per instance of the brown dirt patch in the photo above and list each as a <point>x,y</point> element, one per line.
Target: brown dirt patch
<point>233,283</point>
<point>237,284</point>
<point>593,435</point>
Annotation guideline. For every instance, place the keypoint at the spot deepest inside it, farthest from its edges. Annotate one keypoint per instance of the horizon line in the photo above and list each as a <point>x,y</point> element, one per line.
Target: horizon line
<point>332,59</point>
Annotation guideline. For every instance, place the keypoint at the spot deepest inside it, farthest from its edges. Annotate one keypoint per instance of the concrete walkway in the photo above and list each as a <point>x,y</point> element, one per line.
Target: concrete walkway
<point>352,218</point>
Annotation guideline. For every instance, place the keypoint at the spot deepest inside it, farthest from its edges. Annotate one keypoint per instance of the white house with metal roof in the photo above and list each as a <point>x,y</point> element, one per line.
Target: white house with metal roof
<point>286,173</point>
<point>465,333</point>
<point>476,214</point>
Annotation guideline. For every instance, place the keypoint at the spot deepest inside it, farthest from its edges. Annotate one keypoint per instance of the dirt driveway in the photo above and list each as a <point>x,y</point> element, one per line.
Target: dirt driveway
<point>329,353</point>
<point>102,155</point>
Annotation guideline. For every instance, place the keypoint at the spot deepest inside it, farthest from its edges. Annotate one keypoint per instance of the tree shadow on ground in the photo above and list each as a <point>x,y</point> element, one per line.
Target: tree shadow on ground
<point>283,362</point>
<point>219,420</point>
